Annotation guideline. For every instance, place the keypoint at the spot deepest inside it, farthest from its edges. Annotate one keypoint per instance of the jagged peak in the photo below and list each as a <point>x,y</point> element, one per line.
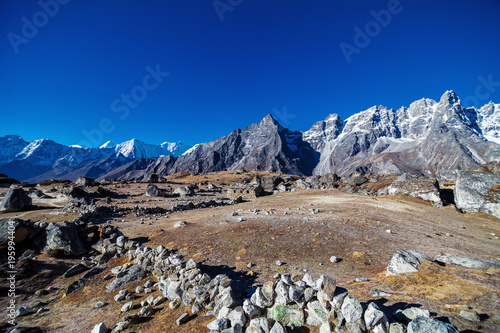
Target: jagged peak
<point>449,97</point>
<point>268,119</point>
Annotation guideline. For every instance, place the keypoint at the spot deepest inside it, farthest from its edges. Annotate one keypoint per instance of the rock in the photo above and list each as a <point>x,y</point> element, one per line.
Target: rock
<point>85,181</point>
<point>62,238</point>
<point>278,328</point>
<point>326,289</point>
<point>184,318</point>
<point>423,188</point>
<point>289,315</point>
<point>218,324</point>
<point>428,325</point>
<point>133,273</point>
<point>184,191</point>
<point>351,309</point>
<point>411,313</point>
<point>466,261</point>
<point>469,315</point>
<point>75,270</point>
<point>152,191</point>
<point>152,178</point>
<point>15,200</point>
<point>279,263</point>
<point>251,311</point>
<point>420,256</point>
<point>120,326</point>
<point>358,179</point>
<point>146,311</point>
<point>316,314</point>
<point>325,328</point>
<point>180,224</point>
<point>334,259</point>
<point>405,177</point>
<point>100,328</point>
<point>375,319</point>
<point>379,293</point>
<point>478,190</point>
<point>100,304</point>
<point>83,280</point>
<point>22,230</point>
<point>258,325</point>
<point>139,289</point>
<point>237,317</point>
<point>402,262</point>
<point>127,306</point>
<point>397,328</point>
<point>22,311</point>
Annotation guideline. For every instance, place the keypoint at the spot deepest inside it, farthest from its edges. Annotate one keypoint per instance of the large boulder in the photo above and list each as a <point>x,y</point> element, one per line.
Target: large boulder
<point>429,325</point>
<point>62,239</point>
<point>466,261</point>
<point>85,181</point>
<point>15,201</point>
<point>402,262</point>
<point>478,189</point>
<point>184,191</point>
<point>19,228</point>
<point>152,191</point>
<point>133,273</point>
<point>423,188</point>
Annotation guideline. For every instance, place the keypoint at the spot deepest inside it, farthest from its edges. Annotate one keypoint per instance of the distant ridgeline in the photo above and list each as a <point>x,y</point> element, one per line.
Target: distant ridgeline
<point>428,138</point>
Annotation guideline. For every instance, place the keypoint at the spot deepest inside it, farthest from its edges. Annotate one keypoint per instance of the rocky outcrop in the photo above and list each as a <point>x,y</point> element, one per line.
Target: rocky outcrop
<point>478,189</point>
<point>62,239</point>
<point>265,146</point>
<point>433,139</point>
<point>84,181</point>
<point>15,201</point>
<point>15,229</point>
<point>466,261</point>
<point>402,262</point>
<point>423,188</point>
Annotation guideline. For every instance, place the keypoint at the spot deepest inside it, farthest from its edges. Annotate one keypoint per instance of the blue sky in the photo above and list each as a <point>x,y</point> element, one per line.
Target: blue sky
<point>66,71</point>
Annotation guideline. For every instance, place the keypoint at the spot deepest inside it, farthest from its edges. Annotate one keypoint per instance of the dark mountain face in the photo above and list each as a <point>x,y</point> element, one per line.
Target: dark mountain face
<point>265,146</point>
<point>140,169</point>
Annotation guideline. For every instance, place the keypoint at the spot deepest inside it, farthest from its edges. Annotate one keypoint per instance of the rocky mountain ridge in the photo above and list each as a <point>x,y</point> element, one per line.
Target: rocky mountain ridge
<point>428,138</point>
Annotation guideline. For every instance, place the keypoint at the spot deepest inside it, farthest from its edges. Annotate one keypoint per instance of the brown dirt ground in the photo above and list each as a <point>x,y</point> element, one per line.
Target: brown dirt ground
<point>349,226</point>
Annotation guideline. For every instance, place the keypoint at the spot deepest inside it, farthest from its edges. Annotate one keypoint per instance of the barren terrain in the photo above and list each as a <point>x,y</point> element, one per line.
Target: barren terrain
<point>303,229</point>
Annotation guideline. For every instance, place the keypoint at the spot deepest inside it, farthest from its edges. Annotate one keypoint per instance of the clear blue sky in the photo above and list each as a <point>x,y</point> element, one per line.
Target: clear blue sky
<point>71,74</point>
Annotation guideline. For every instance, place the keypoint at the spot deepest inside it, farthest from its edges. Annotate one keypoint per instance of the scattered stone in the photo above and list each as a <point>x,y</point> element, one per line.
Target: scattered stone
<point>428,325</point>
<point>379,293</point>
<point>62,238</point>
<point>133,273</point>
<point>411,313</point>
<point>15,200</point>
<point>85,181</point>
<point>351,309</point>
<point>100,328</point>
<point>146,311</point>
<point>184,318</point>
<point>218,324</point>
<point>22,311</point>
<point>334,259</point>
<point>180,224</point>
<point>279,263</point>
<point>402,262</point>
<point>127,306</point>
<point>469,315</point>
<point>100,304</point>
<point>466,261</point>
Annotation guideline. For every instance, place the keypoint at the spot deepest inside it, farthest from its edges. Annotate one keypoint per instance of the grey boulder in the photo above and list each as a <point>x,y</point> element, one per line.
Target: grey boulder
<point>15,200</point>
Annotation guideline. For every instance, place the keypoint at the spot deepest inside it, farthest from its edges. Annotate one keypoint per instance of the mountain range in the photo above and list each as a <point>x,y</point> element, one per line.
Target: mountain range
<point>428,138</point>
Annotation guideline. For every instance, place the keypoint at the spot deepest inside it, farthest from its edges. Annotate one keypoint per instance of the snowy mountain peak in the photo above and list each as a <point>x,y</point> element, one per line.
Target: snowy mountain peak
<point>269,120</point>
<point>109,144</point>
<point>449,97</point>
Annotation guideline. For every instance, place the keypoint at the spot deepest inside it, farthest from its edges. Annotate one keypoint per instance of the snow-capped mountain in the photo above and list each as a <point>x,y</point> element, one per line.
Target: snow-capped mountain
<point>48,159</point>
<point>10,146</point>
<point>429,138</point>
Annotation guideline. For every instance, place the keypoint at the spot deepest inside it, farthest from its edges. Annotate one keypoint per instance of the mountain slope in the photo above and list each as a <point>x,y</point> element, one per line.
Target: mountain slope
<point>263,146</point>
<point>435,139</point>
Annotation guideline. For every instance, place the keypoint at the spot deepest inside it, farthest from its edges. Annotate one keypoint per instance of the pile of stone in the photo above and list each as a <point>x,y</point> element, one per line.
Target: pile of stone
<point>272,307</point>
<point>245,191</point>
